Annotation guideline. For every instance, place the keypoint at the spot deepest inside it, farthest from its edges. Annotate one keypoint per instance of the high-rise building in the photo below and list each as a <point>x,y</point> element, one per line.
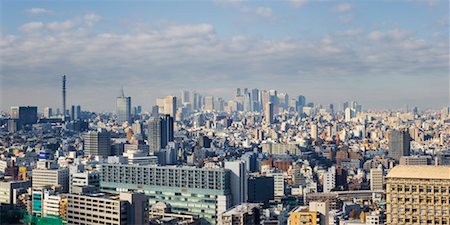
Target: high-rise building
<point>160,132</point>
<point>376,178</point>
<point>97,143</point>
<point>261,189</point>
<point>399,144</point>
<point>170,105</point>
<point>25,115</point>
<point>314,132</point>
<point>185,97</point>
<point>125,208</point>
<point>48,112</point>
<point>47,174</point>
<point>418,195</point>
<point>269,113</point>
<point>123,107</point>
<point>238,181</point>
<point>64,97</point>
<point>329,179</point>
<point>209,188</point>
<point>209,103</point>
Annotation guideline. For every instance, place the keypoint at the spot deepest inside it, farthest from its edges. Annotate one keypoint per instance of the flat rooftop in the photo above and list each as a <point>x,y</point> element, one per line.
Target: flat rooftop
<point>420,172</point>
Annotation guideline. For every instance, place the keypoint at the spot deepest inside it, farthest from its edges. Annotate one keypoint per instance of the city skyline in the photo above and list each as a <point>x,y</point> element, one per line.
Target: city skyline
<point>328,51</point>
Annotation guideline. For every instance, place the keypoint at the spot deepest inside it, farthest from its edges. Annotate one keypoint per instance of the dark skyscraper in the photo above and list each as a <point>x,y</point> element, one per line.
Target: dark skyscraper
<point>160,132</point>
<point>25,115</point>
<point>399,144</point>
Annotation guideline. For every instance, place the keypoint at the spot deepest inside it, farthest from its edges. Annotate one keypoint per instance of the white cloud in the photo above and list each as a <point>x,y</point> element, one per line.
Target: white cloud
<point>38,11</point>
<point>60,26</point>
<point>298,3</point>
<point>177,56</point>
<point>260,11</point>
<point>91,18</point>
<point>31,26</point>
<point>343,7</point>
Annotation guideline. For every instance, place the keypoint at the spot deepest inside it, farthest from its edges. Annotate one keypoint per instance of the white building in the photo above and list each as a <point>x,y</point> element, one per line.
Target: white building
<point>238,181</point>
<point>329,179</point>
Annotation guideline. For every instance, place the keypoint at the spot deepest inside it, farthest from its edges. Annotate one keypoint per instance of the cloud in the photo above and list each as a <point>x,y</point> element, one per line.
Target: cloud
<point>343,7</point>
<point>31,26</point>
<point>260,11</point>
<point>60,26</point>
<point>162,59</point>
<point>91,18</point>
<point>39,11</point>
<point>298,3</point>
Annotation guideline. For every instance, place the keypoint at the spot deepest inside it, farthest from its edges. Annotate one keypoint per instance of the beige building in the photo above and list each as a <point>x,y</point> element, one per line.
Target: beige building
<point>243,214</point>
<point>376,179</point>
<point>418,195</point>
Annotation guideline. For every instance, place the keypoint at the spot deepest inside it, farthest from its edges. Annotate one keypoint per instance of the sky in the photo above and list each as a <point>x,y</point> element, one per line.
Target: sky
<point>383,54</point>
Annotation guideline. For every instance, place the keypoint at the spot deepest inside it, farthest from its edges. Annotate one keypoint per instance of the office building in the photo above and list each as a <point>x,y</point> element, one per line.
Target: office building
<point>415,160</point>
<point>84,181</point>
<point>377,179</point>
<point>125,208</point>
<point>47,174</point>
<point>399,144</point>
<point>10,191</point>
<point>209,103</point>
<point>243,214</point>
<point>48,112</point>
<point>25,115</point>
<point>123,109</point>
<point>269,113</point>
<point>261,189</point>
<point>202,191</point>
<point>97,143</point>
<point>170,106</point>
<point>238,181</point>
<point>329,179</point>
<point>418,195</point>
<point>160,132</point>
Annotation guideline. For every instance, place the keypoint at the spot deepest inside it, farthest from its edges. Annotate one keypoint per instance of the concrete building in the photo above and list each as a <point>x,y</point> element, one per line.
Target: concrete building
<point>415,160</point>
<point>418,195</point>
<point>399,144</point>
<point>238,181</point>
<point>170,106</point>
<point>123,109</point>
<point>329,179</point>
<point>376,179</point>
<point>160,132</point>
<point>202,191</point>
<point>269,113</point>
<point>243,214</point>
<point>125,208</point>
<point>302,216</point>
<point>97,143</point>
<point>47,174</point>
<point>209,103</point>
<point>278,183</point>
<point>10,190</point>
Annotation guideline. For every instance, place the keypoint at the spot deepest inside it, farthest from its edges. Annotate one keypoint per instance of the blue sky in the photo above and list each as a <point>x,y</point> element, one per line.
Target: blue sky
<point>385,54</point>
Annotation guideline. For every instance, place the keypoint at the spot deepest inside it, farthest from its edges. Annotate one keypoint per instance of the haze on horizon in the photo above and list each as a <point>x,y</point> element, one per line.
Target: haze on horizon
<point>383,54</point>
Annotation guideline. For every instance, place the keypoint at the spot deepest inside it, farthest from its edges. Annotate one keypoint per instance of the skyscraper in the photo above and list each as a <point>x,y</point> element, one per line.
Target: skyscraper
<point>48,112</point>
<point>238,181</point>
<point>123,107</point>
<point>160,132</point>
<point>64,97</point>
<point>209,103</point>
<point>25,115</point>
<point>399,144</point>
<point>269,113</point>
<point>170,105</point>
<point>97,143</point>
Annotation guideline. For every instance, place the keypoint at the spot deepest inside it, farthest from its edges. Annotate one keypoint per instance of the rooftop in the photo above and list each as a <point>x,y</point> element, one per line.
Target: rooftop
<point>420,172</point>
